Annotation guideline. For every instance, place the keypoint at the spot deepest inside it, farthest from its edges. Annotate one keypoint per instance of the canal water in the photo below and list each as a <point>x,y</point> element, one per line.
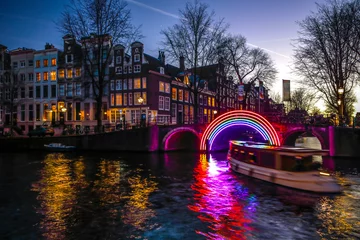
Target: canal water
<point>112,195</point>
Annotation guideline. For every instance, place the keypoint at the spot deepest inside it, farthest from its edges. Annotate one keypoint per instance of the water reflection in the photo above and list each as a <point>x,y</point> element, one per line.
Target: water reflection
<point>137,211</point>
<point>226,209</point>
<point>56,195</point>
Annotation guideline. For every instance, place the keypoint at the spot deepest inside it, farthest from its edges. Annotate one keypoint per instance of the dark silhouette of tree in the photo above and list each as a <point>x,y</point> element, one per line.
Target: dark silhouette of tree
<point>302,99</point>
<point>247,64</point>
<point>195,38</point>
<point>10,88</point>
<point>276,97</point>
<point>327,52</point>
<point>99,25</point>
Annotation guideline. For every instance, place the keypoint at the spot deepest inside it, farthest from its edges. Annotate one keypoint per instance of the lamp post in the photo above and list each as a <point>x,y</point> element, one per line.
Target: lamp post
<point>140,101</point>
<point>215,112</point>
<point>340,104</point>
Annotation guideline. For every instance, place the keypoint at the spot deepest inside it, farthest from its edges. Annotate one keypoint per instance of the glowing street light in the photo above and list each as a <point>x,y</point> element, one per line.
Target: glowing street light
<point>140,101</point>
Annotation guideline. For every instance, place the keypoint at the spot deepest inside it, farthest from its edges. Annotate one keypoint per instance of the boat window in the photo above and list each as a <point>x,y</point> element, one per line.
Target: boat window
<point>266,159</point>
<point>296,164</point>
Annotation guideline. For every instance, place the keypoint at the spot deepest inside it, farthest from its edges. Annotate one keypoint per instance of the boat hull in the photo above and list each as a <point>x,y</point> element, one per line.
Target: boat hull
<point>307,181</point>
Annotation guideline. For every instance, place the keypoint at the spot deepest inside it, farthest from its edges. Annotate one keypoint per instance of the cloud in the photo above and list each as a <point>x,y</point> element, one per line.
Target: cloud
<point>177,17</point>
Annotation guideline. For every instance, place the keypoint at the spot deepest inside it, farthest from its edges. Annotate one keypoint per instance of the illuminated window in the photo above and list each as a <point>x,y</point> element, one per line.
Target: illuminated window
<point>37,63</point>
<point>61,73</point>
<point>144,97</point>
<point>186,80</point>
<point>181,95</point>
<point>112,85</point>
<point>125,99</point>
<point>53,75</point>
<point>46,62</point>
<point>173,93</point>
<point>53,62</point>
<point>112,102</point>
<point>186,97</point>
<point>46,76</point>
<point>167,87</point>
<point>144,82</point>
<point>137,95</point>
<point>119,99</point>
<point>213,102</point>
<point>137,83</point>
<point>78,72</point>
<point>209,101</point>
<point>38,77</point>
<point>161,86</point>
<point>69,73</point>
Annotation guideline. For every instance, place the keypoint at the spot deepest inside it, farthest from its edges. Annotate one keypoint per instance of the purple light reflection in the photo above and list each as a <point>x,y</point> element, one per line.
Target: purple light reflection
<point>226,209</point>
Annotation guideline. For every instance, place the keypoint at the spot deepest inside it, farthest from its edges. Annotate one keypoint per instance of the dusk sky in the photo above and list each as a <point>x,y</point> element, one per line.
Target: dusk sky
<point>268,24</point>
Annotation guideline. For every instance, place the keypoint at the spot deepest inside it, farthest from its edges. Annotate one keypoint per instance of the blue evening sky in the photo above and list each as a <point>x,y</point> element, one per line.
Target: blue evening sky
<point>268,24</point>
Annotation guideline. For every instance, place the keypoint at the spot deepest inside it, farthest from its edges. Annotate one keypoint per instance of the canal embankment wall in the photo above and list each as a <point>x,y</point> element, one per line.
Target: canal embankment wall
<point>344,142</point>
<point>141,140</point>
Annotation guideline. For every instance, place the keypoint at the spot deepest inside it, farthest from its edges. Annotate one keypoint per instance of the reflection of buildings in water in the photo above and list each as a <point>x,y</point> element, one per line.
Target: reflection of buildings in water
<point>227,210</point>
<point>136,211</point>
<point>57,195</point>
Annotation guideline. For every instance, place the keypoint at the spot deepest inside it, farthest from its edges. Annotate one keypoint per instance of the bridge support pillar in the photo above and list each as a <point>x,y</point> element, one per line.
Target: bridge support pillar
<point>207,145</point>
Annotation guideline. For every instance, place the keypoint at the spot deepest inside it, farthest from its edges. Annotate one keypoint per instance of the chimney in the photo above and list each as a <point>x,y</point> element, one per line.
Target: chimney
<point>182,63</point>
<point>48,46</point>
<point>161,57</point>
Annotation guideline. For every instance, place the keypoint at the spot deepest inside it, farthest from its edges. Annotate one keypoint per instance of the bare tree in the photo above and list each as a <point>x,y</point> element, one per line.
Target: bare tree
<point>9,94</point>
<point>327,52</point>
<point>303,99</point>
<point>98,25</point>
<point>276,97</point>
<point>247,64</point>
<point>195,38</point>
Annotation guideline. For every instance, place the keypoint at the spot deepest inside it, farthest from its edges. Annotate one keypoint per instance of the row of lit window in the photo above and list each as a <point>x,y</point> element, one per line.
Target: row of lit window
<point>45,63</point>
<point>126,84</point>
<point>45,76</point>
<point>69,73</point>
<point>126,99</point>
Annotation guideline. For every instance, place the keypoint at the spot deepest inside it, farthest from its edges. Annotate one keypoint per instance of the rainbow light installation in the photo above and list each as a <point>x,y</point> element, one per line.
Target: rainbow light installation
<point>236,118</point>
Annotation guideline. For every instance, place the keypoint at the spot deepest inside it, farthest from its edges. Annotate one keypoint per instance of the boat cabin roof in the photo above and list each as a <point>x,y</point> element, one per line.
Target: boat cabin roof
<point>282,150</point>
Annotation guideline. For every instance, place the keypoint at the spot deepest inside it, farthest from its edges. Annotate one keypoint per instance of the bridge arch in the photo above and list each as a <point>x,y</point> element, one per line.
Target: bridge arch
<point>172,133</point>
<point>235,118</point>
<point>290,137</point>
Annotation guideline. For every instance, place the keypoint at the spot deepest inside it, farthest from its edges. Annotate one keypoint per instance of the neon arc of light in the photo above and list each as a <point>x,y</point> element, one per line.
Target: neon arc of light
<point>239,116</point>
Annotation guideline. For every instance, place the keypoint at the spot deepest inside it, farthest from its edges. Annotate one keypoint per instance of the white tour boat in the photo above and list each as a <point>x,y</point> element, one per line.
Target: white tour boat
<point>287,166</point>
<point>59,147</point>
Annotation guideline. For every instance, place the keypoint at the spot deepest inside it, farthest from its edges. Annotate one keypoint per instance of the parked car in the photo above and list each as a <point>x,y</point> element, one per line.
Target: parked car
<point>41,132</point>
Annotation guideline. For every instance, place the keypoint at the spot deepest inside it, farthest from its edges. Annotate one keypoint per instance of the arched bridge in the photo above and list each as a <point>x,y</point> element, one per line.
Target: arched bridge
<point>208,137</point>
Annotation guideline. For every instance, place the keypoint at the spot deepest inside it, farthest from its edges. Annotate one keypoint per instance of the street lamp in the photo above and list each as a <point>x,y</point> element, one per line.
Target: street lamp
<point>140,101</point>
<point>215,112</point>
<point>340,103</point>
